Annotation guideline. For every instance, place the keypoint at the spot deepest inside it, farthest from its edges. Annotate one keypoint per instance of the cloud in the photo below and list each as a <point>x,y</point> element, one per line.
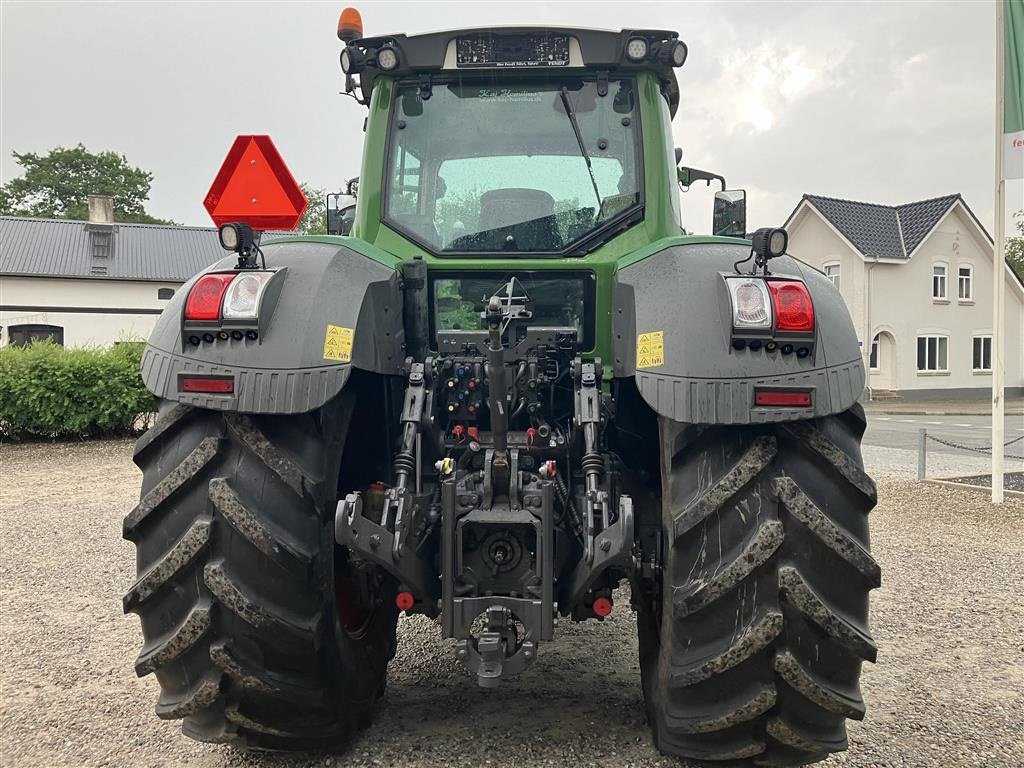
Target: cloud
<point>882,101</point>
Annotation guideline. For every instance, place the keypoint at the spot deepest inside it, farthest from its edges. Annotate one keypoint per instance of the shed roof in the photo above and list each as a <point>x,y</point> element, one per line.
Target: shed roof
<point>62,248</point>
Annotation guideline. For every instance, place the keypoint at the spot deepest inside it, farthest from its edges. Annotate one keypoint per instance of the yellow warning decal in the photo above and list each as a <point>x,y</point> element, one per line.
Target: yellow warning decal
<point>338,343</point>
<point>650,349</point>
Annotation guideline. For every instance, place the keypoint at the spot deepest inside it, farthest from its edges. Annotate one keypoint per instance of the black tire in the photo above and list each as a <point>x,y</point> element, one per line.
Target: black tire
<point>236,588</point>
<point>753,652</point>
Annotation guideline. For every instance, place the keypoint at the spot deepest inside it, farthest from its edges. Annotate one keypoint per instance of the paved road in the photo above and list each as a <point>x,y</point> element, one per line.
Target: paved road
<point>901,431</point>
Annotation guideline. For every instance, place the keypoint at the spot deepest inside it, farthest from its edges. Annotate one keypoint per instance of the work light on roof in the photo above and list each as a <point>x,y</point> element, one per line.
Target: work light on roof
<point>387,58</point>
<point>636,49</point>
<point>672,53</point>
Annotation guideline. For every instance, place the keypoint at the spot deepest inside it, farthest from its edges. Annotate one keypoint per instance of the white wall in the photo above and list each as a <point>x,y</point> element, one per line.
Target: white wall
<point>46,301</point>
<point>901,302</point>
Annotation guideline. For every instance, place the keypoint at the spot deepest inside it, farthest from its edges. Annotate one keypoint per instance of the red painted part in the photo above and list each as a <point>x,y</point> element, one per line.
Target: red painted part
<point>205,297</point>
<point>474,433</point>
<point>352,614</point>
<point>216,386</point>
<point>603,606</point>
<point>794,310</point>
<point>785,398</point>
<point>404,601</point>
<point>255,186</point>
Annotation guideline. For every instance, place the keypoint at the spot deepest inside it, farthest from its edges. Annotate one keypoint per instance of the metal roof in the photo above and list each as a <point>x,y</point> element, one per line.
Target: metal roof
<point>886,231</point>
<point>62,248</point>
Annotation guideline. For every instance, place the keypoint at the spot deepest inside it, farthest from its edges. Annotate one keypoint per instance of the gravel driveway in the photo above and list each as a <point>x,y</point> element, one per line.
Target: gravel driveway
<point>948,689</point>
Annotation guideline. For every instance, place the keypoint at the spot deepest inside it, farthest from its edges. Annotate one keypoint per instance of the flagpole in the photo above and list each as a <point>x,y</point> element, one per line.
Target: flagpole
<point>998,278</point>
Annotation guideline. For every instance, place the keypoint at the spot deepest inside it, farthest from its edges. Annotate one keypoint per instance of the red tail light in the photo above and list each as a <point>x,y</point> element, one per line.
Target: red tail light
<point>204,299</point>
<point>793,308</point>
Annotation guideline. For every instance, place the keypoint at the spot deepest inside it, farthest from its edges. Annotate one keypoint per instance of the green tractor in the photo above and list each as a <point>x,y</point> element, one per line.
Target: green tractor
<point>516,388</point>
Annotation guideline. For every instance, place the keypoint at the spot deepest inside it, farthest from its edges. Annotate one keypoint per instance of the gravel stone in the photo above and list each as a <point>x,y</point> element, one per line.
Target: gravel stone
<point>948,689</point>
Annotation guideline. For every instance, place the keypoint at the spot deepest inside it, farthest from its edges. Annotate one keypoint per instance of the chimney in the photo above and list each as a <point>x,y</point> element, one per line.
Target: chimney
<point>101,209</point>
<point>101,229</point>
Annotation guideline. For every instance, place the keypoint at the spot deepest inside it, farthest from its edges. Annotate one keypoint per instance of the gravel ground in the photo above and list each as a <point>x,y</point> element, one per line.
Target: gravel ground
<point>948,689</point>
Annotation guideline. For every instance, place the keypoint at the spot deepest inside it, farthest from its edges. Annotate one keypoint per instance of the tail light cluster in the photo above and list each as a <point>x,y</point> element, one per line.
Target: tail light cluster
<point>226,305</point>
<point>771,314</point>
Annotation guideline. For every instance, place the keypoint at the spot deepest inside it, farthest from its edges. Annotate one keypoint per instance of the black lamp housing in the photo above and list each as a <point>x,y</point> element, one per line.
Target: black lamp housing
<point>236,236</point>
<point>769,242</point>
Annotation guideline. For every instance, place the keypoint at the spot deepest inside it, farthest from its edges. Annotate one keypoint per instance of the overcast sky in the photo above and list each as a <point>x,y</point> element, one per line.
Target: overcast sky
<point>883,102</point>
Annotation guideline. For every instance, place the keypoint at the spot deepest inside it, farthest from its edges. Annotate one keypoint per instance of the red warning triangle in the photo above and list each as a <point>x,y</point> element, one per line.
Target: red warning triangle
<point>255,186</point>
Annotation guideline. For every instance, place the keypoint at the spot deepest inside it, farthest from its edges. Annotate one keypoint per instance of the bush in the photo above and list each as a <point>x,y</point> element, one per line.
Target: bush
<point>48,391</point>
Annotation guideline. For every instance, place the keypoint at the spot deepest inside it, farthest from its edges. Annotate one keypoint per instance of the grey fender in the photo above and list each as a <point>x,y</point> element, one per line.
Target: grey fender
<point>702,379</point>
<point>288,368</point>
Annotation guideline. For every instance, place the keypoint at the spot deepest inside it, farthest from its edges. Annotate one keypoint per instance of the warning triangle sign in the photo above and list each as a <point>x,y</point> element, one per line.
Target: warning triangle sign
<point>255,186</point>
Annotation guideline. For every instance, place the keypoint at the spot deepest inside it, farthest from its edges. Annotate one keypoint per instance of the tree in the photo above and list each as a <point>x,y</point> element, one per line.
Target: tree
<point>1015,246</point>
<point>57,185</point>
<point>314,220</point>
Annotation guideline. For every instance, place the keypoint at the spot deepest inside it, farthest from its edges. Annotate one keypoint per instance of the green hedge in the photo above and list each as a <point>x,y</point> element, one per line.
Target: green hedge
<point>47,391</point>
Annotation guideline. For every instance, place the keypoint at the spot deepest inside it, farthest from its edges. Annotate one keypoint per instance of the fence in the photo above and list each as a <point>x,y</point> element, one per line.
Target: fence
<point>922,450</point>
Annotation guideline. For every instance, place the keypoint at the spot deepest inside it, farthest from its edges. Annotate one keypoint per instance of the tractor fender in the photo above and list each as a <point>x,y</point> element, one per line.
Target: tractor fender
<point>329,297</point>
<point>681,292</point>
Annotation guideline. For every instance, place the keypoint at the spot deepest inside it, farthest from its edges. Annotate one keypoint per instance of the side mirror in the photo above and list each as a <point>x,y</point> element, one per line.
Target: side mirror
<point>730,218</point>
<point>341,214</point>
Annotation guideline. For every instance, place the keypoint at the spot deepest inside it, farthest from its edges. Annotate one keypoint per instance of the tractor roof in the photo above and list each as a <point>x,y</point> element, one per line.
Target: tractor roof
<point>515,51</point>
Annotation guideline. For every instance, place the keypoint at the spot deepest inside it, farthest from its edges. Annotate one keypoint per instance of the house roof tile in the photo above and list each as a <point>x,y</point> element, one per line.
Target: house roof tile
<point>885,231</point>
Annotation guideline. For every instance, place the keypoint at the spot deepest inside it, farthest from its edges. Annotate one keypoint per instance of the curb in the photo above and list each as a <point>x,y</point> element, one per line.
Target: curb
<point>952,484</point>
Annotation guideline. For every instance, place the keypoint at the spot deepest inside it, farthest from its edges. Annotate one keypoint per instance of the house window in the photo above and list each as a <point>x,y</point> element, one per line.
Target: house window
<point>164,293</point>
<point>939,281</point>
<point>932,354</point>
<point>832,273</point>
<point>23,335</point>
<point>982,354</point>
<point>873,361</point>
<point>965,282</point>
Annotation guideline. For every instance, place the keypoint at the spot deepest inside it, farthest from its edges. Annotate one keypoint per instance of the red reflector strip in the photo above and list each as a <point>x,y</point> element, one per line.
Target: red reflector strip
<point>208,385</point>
<point>783,398</point>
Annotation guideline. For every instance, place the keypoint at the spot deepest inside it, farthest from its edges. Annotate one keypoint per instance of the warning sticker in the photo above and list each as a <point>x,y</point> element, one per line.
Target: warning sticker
<point>650,349</point>
<point>338,343</point>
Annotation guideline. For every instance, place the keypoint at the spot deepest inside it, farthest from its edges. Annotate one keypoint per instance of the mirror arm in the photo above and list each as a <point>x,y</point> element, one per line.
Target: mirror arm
<point>687,176</point>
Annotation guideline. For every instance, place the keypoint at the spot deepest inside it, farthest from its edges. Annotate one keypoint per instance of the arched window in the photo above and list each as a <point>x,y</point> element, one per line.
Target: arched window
<point>965,282</point>
<point>23,335</point>
<point>939,272</point>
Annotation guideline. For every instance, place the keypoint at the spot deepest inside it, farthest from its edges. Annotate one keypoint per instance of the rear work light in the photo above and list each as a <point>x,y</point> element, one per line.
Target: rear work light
<point>794,310</point>
<point>751,306</point>
<point>782,398</point>
<point>205,298</point>
<point>212,385</point>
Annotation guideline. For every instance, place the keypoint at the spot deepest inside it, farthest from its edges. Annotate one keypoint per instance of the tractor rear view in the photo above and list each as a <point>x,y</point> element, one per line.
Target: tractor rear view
<point>518,385</point>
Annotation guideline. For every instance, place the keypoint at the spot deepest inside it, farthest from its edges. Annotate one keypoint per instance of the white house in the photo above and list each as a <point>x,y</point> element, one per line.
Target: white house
<point>917,279</point>
<point>93,283</point>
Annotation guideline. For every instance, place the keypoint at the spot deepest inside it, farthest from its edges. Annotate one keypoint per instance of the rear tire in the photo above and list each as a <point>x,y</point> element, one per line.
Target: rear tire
<point>753,652</point>
<point>236,588</point>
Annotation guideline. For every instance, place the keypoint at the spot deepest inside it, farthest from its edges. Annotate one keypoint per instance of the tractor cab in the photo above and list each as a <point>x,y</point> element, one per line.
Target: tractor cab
<point>519,142</point>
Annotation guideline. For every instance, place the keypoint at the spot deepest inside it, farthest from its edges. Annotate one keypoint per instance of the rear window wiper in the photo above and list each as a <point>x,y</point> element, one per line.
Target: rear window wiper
<point>571,113</point>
